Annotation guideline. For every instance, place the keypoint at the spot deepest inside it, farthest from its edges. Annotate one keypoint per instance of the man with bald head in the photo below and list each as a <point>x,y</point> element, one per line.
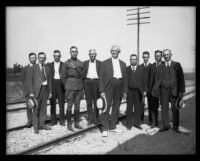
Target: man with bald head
<point>91,85</point>
<point>169,86</point>
<point>113,86</point>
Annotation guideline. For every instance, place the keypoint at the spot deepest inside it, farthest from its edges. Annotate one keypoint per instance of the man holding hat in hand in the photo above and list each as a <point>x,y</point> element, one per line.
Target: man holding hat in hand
<point>26,86</point>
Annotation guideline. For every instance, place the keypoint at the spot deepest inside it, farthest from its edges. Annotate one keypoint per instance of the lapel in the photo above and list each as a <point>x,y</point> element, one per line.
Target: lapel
<point>121,67</point>
<point>38,70</point>
<point>53,69</point>
<point>87,66</point>
<point>111,66</point>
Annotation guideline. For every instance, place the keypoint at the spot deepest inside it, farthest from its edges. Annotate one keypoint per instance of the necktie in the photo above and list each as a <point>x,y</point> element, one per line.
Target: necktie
<point>168,69</point>
<point>43,75</point>
<point>145,65</point>
<point>133,69</point>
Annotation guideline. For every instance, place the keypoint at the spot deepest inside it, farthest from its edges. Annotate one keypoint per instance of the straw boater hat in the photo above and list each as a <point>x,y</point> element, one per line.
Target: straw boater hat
<point>32,103</point>
<point>102,104</point>
<point>180,103</point>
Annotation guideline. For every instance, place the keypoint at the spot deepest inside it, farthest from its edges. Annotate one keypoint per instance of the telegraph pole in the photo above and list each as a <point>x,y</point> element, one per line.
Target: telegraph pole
<point>138,25</point>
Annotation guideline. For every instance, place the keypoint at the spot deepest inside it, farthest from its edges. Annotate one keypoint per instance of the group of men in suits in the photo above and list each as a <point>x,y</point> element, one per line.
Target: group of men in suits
<point>110,79</point>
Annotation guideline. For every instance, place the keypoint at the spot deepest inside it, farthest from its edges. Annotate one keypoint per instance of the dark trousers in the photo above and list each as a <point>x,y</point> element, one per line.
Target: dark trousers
<point>29,112</point>
<point>73,97</point>
<point>165,99</point>
<point>91,92</point>
<point>39,113</point>
<point>134,98</point>
<point>57,93</point>
<point>149,110</point>
<point>112,96</point>
<point>153,109</point>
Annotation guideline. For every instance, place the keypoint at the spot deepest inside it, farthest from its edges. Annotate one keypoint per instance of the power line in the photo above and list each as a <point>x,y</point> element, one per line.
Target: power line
<point>138,24</point>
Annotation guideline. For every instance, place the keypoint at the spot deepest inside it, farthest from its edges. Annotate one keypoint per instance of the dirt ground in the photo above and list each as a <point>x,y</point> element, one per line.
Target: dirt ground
<point>167,142</point>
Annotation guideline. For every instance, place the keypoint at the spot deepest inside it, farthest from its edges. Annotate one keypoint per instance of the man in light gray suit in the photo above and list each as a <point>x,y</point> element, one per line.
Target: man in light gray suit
<point>41,88</point>
<point>26,85</point>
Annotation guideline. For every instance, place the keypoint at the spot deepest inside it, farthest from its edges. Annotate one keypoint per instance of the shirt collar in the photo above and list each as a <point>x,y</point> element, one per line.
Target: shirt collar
<point>134,66</point>
<point>94,61</point>
<point>31,65</point>
<point>117,59</point>
<point>147,63</point>
<point>168,62</point>
<point>57,62</point>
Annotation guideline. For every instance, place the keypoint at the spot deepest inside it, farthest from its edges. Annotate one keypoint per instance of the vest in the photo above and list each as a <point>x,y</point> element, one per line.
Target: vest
<point>169,80</point>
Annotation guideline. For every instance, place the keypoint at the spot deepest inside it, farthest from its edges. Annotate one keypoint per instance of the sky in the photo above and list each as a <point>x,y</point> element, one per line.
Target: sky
<point>45,29</point>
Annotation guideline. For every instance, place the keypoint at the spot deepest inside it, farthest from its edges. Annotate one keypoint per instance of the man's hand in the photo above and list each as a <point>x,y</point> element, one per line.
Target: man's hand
<point>50,95</point>
<point>145,93</point>
<point>31,95</point>
<point>102,94</point>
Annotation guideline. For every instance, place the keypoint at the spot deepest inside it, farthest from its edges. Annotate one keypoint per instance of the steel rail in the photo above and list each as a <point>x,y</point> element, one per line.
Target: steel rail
<point>42,146</point>
<point>24,108</point>
<point>39,147</point>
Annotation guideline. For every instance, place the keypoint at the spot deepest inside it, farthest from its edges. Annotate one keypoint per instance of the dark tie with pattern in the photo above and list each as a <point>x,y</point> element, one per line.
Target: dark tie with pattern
<point>43,75</point>
<point>168,69</point>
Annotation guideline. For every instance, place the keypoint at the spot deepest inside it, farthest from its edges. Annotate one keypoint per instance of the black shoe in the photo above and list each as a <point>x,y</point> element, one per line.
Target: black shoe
<point>62,124</point>
<point>45,127</point>
<point>128,128</point>
<point>163,129</point>
<point>176,130</point>
<point>36,131</point>
<point>52,123</point>
<point>29,125</point>
<point>138,127</point>
<point>89,122</point>
<point>78,126</point>
<point>69,127</point>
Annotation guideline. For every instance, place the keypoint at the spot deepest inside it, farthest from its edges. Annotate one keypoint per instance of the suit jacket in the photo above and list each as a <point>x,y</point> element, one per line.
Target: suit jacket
<point>106,75</point>
<point>86,67</point>
<point>146,78</point>
<point>160,75</point>
<point>138,76</point>
<point>36,77</point>
<point>26,80</point>
<point>153,70</point>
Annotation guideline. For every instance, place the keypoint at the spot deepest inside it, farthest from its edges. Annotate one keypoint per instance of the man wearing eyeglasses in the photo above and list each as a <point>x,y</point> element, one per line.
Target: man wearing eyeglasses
<point>71,76</point>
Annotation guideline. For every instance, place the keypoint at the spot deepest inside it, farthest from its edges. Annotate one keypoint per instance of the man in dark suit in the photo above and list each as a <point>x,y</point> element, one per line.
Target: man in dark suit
<point>153,101</point>
<point>72,78</point>
<point>41,88</point>
<point>146,66</point>
<point>58,91</point>
<point>113,86</point>
<point>91,85</point>
<point>26,81</point>
<point>135,93</point>
<point>169,86</point>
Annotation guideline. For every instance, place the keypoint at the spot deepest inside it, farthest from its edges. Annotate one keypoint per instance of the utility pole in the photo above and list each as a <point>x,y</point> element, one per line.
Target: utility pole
<point>138,24</point>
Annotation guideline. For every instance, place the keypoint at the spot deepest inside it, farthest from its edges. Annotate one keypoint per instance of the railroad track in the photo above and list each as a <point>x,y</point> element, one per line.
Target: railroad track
<point>42,146</point>
<point>24,107</point>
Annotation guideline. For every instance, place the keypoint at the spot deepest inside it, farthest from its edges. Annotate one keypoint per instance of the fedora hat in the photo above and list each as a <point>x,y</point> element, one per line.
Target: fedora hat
<point>32,103</point>
<point>180,103</point>
<point>102,104</point>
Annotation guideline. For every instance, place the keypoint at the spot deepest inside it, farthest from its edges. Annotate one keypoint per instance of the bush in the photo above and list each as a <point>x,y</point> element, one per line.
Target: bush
<point>17,68</point>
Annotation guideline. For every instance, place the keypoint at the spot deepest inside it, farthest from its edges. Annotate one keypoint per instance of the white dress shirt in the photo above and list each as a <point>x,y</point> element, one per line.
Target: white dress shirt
<point>56,69</point>
<point>45,82</point>
<point>116,68</point>
<point>168,62</point>
<point>134,67</point>
<point>92,70</point>
<point>31,64</point>
<point>146,63</point>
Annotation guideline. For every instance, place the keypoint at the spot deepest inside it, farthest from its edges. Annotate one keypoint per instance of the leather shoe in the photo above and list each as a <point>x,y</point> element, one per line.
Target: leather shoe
<point>45,127</point>
<point>163,129</point>
<point>89,123</point>
<point>138,127</point>
<point>78,126</point>
<point>52,123</point>
<point>62,124</point>
<point>128,128</point>
<point>29,125</point>
<point>36,131</point>
<point>69,127</point>
<point>177,130</point>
